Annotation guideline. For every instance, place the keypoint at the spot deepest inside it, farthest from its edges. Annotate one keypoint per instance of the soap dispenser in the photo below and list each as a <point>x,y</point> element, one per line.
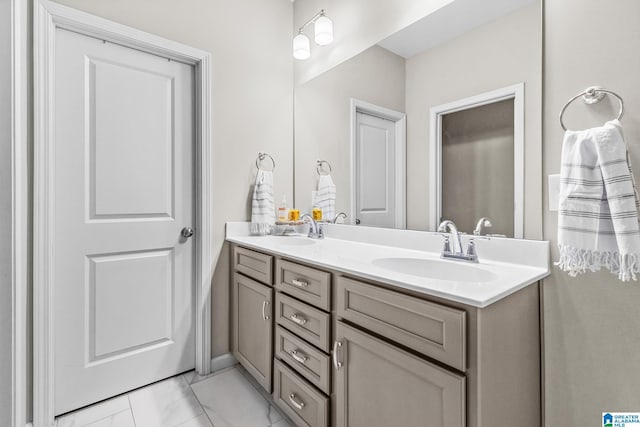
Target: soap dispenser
<point>283,210</point>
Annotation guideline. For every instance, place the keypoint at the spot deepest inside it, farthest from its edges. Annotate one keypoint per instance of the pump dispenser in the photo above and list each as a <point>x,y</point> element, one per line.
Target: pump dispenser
<point>283,210</point>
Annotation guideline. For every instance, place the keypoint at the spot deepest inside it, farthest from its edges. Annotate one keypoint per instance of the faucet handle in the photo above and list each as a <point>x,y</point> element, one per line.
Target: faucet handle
<point>471,249</point>
<point>447,244</point>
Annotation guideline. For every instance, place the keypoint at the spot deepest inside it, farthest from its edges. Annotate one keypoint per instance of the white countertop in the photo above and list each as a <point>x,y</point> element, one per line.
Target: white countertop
<point>514,263</point>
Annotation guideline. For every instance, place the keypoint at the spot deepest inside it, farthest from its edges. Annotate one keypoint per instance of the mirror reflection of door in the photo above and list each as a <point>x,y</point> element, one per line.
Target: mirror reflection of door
<point>478,166</point>
<point>375,175</point>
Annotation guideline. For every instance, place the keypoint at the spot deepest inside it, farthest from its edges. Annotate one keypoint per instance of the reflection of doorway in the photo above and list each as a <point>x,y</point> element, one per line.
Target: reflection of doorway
<point>476,161</point>
<point>476,141</point>
<point>378,178</point>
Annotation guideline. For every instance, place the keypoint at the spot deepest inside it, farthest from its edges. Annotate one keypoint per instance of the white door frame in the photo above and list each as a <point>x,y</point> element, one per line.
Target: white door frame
<point>48,16</point>
<point>515,92</point>
<point>20,232</point>
<point>400,120</point>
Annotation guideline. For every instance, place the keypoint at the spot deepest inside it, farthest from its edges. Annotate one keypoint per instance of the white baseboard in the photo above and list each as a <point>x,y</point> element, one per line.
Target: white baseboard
<point>223,361</point>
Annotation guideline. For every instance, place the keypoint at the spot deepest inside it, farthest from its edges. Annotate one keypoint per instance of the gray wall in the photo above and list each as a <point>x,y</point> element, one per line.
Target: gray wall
<point>500,53</point>
<point>5,212</point>
<point>591,323</point>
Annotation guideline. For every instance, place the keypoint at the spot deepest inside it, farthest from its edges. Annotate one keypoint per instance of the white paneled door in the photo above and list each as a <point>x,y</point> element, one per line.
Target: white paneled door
<point>375,171</point>
<point>123,193</point>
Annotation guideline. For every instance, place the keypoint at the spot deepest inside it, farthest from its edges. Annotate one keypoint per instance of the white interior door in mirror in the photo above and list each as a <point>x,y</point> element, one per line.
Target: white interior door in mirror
<point>375,171</point>
<point>124,189</point>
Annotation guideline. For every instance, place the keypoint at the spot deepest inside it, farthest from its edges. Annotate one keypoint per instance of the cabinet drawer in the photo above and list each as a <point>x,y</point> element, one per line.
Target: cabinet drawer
<point>305,405</point>
<point>253,264</point>
<point>432,329</point>
<point>305,321</point>
<point>305,359</point>
<point>305,283</point>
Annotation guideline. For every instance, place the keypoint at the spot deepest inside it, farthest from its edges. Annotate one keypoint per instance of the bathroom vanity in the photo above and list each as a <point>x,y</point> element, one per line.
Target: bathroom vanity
<point>348,331</point>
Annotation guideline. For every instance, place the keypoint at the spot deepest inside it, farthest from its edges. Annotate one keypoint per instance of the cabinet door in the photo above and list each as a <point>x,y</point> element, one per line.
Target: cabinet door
<point>253,328</point>
<point>377,384</point>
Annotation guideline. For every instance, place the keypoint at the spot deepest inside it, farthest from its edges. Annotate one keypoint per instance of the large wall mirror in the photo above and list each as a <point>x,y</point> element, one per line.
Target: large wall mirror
<point>370,117</point>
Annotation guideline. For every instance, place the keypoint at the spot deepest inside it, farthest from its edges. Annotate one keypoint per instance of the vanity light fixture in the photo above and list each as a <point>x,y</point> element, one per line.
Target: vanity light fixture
<point>323,27</point>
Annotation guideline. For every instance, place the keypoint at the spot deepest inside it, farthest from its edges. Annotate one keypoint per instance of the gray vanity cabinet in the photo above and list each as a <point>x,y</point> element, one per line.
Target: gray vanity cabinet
<point>252,310</point>
<point>406,360</point>
<point>378,384</point>
<point>342,351</point>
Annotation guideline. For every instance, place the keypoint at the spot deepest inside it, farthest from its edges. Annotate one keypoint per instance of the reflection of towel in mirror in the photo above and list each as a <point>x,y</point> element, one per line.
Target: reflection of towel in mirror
<point>326,197</point>
<point>598,207</point>
<point>263,213</point>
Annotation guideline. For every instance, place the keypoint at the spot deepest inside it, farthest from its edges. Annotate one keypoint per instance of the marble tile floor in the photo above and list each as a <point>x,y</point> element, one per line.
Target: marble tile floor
<point>227,398</point>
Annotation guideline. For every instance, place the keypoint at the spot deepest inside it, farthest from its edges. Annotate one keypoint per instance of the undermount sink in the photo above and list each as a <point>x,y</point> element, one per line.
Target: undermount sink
<point>435,269</point>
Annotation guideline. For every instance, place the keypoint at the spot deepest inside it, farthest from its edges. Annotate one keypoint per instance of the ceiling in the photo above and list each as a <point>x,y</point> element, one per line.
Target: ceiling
<point>446,23</point>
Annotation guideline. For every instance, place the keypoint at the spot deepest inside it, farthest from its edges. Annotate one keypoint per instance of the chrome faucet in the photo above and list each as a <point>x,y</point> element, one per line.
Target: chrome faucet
<point>315,229</point>
<point>457,243</point>
<point>454,249</point>
<point>338,215</point>
<point>483,223</point>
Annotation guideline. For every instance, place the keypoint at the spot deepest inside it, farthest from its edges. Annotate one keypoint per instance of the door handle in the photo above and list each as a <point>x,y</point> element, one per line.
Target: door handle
<point>357,221</point>
<point>336,344</point>
<point>298,405</point>
<point>298,319</point>
<point>265,316</point>
<point>299,283</point>
<point>298,356</point>
<point>187,232</point>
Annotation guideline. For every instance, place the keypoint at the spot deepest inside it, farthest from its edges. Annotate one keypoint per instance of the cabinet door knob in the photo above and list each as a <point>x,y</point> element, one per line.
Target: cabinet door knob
<point>336,344</point>
<point>265,316</point>
<point>298,405</point>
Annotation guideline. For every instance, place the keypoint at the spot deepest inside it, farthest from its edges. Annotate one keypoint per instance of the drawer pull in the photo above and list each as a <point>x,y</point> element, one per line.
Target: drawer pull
<point>336,345</point>
<point>299,283</point>
<point>300,358</point>
<point>264,306</point>
<point>298,319</point>
<point>298,405</point>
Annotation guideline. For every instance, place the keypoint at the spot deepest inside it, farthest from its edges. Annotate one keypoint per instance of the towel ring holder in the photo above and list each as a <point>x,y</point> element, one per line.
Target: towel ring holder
<point>319,164</point>
<point>593,95</point>
<point>261,157</point>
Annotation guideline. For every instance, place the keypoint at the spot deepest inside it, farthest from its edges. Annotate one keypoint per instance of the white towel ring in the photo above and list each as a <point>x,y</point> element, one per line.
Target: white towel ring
<point>592,95</point>
<point>261,157</point>
<point>319,164</point>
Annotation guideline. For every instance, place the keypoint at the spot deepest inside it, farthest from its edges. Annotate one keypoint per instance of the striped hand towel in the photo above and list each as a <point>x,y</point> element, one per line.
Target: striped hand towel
<point>263,213</point>
<point>598,205</point>
<point>326,196</point>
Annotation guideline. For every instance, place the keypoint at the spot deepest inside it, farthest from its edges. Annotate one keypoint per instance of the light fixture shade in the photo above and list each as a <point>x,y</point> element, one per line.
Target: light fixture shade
<point>324,30</point>
<point>301,47</point>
